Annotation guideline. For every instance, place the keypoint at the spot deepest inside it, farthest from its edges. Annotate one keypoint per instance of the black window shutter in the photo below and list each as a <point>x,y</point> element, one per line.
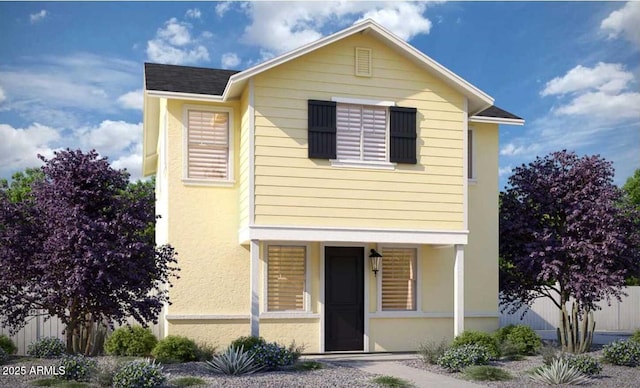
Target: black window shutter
<point>402,126</point>
<point>322,129</point>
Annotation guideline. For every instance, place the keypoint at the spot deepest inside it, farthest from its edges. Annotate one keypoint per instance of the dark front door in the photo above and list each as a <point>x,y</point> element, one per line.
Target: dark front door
<point>344,298</point>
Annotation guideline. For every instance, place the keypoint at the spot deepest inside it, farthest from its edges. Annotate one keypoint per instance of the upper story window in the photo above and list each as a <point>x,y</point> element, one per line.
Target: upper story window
<point>366,133</point>
<point>208,144</point>
<point>361,132</point>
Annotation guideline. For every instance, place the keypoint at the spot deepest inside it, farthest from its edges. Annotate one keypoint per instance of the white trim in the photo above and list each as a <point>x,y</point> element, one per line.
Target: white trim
<point>254,293</point>
<point>481,99</point>
<point>458,291</point>
<point>252,153</point>
<point>495,120</point>
<point>288,315</point>
<point>185,96</point>
<point>418,283</point>
<point>230,180</point>
<point>366,285</point>
<point>207,317</point>
<point>344,235</point>
<point>368,164</point>
<point>465,166</point>
<point>362,101</point>
<point>429,315</point>
<point>307,280</point>
<point>321,299</point>
<point>208,183</point>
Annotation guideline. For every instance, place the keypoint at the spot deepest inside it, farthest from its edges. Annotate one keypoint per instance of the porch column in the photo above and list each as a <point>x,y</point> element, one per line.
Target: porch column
<point>255,300</point>
<point>458,291</point>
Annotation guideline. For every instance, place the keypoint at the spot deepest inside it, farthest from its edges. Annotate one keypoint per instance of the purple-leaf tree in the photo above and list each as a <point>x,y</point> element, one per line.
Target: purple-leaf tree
<point>564,235</point>
<point>81,247</point>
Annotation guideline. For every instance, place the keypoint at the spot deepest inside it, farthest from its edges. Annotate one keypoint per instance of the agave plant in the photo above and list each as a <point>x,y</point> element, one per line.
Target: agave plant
<point>233,361</point>
<point>559,372</point>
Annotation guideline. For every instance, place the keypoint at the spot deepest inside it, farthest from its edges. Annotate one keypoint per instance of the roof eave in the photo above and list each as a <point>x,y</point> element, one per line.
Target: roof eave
<point>495,120</point>
<point>184,96</point>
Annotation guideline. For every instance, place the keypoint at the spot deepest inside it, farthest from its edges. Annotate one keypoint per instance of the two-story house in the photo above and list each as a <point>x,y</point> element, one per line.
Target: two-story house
<point>343,195</point>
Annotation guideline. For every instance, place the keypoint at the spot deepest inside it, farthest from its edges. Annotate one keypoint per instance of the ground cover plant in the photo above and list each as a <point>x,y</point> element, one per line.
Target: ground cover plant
<point>624,353</point>
<point>460,357</point>
<point>486,373</point>
<point>472,337</point>
<point>139,374</point>
<point>391,382</point>
<point>47,347</point>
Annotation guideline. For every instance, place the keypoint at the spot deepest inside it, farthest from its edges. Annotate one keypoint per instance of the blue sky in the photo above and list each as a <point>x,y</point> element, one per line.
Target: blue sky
<point>71,73</point>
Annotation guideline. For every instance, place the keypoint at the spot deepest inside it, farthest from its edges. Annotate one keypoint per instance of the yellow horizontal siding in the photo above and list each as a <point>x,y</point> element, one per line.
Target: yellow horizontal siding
<point>292,189</point>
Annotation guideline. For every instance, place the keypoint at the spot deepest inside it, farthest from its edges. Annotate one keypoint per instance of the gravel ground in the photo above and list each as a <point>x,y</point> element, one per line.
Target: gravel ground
<point>330,376</point>
<point>612,376</point>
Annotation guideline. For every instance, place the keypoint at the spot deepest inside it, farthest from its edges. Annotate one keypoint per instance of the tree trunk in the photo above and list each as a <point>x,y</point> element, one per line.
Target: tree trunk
<point>573,337</point>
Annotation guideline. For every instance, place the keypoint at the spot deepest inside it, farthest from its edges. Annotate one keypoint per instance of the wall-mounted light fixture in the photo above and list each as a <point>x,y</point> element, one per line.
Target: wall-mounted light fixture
<point>375,258</point>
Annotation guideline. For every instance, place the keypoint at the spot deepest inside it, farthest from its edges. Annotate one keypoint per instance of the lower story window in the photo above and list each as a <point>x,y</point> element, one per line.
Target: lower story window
<point>399,279</point>
<point>286,277</point>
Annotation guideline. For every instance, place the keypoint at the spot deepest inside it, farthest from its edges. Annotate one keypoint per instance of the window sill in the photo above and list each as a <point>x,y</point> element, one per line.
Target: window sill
<point>289,315</point>
<point>207,183</point>
<point>473,181</point>
<point>363,164</point>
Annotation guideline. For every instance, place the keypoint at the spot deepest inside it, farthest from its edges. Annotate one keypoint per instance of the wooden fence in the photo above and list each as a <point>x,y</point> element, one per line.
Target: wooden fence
<point>620,316</point>
<point>37,327</point>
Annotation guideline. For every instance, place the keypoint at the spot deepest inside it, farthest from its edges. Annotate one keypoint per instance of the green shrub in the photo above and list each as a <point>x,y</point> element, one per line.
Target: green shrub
<point>175,348</point>
<point>187,381</point>
<point>139,374</point>
<point>247,343</point>
<point>559,372</point>
<point>47,347</point>
<point>625,353</point>
<point>79,368</point>
<point>549,354</point>
<point>205,352</point>
<point>392,382</point>
<point>472,337</point>
<point>460,357</point>
<point>3,356</point>
<point>486,373</point>
<point>509,351</point>
<point>307,365</point>
<point>7,345</point>
<point>233,361</point>
<point>634,337</point>
<point>134,341</point>
<point>522,337</point>
<point>585,364</point>
<point>431,351</point>
<point>272,356</point>
<point>295,350</point>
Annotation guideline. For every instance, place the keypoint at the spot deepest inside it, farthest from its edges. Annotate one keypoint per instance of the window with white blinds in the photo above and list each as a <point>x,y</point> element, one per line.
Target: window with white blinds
<point>286,277</point>
<point>207,145</point>
<point>399,279</point>
<point>361,132</point>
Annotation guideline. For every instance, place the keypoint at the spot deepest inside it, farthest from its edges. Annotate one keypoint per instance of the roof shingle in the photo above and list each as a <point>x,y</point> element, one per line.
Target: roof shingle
<point>186,79</point>
<point>494,111</point>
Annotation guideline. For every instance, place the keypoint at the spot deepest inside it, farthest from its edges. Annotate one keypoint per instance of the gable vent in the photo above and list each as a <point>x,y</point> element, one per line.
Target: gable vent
<point>363,62</point>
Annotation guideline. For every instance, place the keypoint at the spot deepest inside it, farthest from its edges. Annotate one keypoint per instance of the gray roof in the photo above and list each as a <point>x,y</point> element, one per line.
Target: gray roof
<point>494,111</point>
<point>186,79</point>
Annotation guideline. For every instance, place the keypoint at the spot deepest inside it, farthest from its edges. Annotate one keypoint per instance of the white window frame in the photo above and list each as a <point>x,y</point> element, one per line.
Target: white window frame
<point>471,144</point>
<point>229,181</point>
<point>306,312</point>
<point>418,288</point>
<point>367,164</point>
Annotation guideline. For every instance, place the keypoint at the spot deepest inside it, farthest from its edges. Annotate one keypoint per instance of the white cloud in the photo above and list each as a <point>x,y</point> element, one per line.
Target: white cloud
<point>38,16</point>
<point>606,77</point>
<point>280,29</point>
<point>19,146</point>
<point>511,150</point>
<point>131,100</point>
<point>132,161</point>
<point>193,13</point>
<point>604,92</point>
<point>59,91</point>
<point>625,21</point>
<point>2,95</point>
<point>173,44</point>
<point>502,171</point>
<point>223,8</point>
<point>230,60</point>
<point>110,138</point>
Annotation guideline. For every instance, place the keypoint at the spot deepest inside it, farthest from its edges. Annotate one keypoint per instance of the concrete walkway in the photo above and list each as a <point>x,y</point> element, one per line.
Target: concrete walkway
<point>388,364</point>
